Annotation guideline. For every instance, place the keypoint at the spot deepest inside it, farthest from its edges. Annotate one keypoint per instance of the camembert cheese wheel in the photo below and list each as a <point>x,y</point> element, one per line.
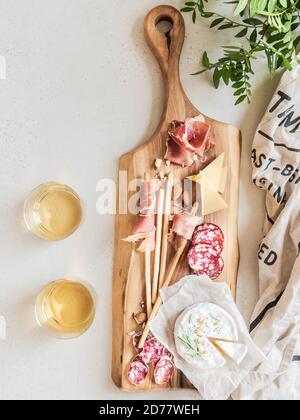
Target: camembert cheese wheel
<point>194,329</point>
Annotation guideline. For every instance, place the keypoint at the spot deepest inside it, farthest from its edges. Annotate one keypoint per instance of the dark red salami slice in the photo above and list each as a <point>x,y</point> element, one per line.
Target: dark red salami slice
<point>200,256</point>
<point>163,371</point>
<point>152,351</point>
<point>138,371</point>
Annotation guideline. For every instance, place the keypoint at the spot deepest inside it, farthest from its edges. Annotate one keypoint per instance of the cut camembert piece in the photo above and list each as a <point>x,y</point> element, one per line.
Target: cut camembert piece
<point>193,330</point>
<point>232,349</point>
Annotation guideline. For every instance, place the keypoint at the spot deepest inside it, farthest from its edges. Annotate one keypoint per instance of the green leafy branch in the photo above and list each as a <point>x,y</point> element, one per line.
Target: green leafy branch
<point>265,26</point>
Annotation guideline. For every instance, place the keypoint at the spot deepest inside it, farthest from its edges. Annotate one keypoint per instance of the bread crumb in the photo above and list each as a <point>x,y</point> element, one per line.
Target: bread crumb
<point>158,163</point>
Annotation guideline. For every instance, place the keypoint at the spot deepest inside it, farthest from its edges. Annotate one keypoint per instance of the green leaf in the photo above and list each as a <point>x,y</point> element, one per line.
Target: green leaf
<point>194,16</point>
<point>190,3</point>
<point>205,60</point>
<point>253,7</point>
<point>272,5</point>
<point>217,77</point>
<point>187,9</point>
<point>296,41</point>
<point>238,85</point>
<point>240,92</point>
<point>226,75</point>
<point>253,21</point>
<point>207,14</point>
<point>261,5</point>
<point>242,33</point>
<point>287,64</point>
<point>253,37</point>
<point>294,26</point>
<point>225,26</point>
<point>241,7</point>
<point>240,99</point>
<point>216,22</point>
<point>283,3</point>
<point>275,38</point>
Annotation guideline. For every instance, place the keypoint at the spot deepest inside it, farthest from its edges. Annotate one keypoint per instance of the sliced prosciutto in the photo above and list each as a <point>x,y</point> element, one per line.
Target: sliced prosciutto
<point>177,153</point>
<point>184,225</point>
<point>144,230</point>
<point>188,141</point>
<point>147,199</point>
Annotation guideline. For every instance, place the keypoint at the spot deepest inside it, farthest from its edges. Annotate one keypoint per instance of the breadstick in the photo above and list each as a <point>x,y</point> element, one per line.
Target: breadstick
<point>159,220</point>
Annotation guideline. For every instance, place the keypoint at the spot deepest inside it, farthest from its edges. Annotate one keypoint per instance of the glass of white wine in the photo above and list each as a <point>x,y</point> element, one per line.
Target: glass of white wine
<point>66,308</point>
<point>53,211</point>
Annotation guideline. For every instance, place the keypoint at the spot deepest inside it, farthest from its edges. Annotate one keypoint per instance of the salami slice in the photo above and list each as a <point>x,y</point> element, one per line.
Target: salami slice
<point>163,371</point>
<point>168,353</point>
<point>212,268</point>
<point>216,268</point>
<point>200,256</point>
<point>138,371</point>
<point>152,351</point>
<point>209,234</point>
<point>135,339</point>
<point>210,227</point>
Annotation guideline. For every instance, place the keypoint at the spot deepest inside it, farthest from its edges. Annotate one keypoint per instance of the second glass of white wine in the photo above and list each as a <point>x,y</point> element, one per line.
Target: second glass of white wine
<point>66,308</point>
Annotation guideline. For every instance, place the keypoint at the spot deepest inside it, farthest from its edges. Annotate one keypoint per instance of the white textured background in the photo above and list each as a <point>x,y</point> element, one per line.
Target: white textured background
<point>82,88</point>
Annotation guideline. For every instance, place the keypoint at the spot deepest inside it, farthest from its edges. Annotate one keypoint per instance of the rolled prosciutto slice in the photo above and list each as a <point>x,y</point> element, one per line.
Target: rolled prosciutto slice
<point>144,230</point>
<point>147,199</point>
<point>184,225</point>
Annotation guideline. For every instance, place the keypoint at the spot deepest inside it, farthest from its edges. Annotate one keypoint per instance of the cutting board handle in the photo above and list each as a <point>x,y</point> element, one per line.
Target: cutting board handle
<point>167,47</point>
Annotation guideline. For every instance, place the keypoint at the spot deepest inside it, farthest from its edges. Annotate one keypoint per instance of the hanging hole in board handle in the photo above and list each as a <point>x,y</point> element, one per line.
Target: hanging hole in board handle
<point>164,32</point>
<point>164,24</point>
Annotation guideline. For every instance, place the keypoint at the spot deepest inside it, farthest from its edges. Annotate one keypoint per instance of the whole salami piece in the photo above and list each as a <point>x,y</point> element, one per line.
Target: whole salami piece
<point>164,370</point>
<point>138,371</point>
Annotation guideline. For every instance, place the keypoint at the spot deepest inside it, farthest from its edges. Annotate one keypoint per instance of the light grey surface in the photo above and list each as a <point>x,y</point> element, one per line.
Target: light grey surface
<point>82,88</point>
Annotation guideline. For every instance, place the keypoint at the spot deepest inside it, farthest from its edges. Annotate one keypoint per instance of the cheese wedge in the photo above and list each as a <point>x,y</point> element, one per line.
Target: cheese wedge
<point>213,172</point>
<point>193,329</point>
<point>210,198</point>
<point>213,181</point>
<point>234,350</point>
<point>223,180</point>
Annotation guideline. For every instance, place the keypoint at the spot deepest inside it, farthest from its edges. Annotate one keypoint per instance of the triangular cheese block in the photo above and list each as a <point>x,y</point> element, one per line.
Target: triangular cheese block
<point>223,180</point>
<point>213,172</point>
<point>234,350</point>
<point>211,199</point>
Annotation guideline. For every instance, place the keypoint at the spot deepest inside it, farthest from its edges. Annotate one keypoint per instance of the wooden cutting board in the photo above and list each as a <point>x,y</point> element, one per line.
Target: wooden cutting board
<point>128,275</point>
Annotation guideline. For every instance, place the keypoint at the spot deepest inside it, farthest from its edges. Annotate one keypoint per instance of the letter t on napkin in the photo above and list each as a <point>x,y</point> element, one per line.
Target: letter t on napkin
<point>214,384</point>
